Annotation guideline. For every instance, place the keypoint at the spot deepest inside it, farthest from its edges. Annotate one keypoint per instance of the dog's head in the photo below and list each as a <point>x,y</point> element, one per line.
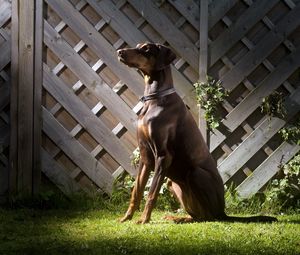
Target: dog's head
<point>147,57</point>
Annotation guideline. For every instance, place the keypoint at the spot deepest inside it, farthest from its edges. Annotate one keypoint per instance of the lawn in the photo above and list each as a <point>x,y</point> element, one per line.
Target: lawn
<point>28,231</point>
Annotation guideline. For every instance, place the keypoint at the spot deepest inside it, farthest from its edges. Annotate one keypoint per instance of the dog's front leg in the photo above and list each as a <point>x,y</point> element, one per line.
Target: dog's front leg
<point>161,165</point>
<point>138,190</point>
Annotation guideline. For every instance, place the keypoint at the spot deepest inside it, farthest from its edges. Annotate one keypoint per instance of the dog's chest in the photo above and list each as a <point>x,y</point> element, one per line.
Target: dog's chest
<point>147,122</point>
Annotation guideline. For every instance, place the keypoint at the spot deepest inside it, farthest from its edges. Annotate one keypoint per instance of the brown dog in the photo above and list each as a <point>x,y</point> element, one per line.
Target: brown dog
<point>171,144</point>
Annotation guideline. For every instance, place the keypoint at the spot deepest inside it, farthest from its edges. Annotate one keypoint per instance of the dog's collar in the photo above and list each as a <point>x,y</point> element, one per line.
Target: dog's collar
<point>157,95</point>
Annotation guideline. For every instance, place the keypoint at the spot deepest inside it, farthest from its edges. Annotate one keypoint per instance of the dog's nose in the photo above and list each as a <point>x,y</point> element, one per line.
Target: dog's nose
<point>120,52</point>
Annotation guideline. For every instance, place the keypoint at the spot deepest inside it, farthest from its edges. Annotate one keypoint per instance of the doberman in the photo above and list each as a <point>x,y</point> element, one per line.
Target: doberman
<point>171,145</point>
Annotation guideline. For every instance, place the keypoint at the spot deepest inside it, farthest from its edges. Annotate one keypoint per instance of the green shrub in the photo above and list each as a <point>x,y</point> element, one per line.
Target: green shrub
<point>273,105</point>
<point>291,132</point>
<point>210,95</point>
<point>285,192</point>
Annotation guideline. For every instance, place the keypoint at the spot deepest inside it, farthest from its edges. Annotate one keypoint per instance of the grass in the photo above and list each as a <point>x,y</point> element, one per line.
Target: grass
<point>68,231</point>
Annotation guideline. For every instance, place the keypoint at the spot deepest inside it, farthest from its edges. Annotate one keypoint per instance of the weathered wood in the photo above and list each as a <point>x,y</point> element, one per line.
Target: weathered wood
<point>25,97</point>
<point>267,169</point>
<point>5,11</point>
<point>79,155</point>
<point>3,183</point>
<point>13,149</point>
<point>218,9</point>
<point>260,136</point>
<point>85,34</point>
<point>203,65</point>
<point>253,58</point>
<point>168,30</point>
<point>189,9</point>
<point>5,54</point>
<point>249,147</point>
<point>235,32</point>
<point>97,43</point>
<point>4,138</point>
<point>58,175</point>
<point>87,119</point>
<point>37,94</point>
<point>4,99</point>
<point>254,99</point>
<point>256,56</point>
<point>92,81</point>
<point>203,40</point>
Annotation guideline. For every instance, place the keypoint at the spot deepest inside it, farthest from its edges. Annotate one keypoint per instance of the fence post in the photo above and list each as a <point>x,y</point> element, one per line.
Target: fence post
<point>25,106</point>
<point>203,58</point>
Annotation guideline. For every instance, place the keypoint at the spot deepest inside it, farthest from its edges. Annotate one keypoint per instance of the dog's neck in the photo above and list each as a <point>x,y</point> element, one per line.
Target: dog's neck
<point>158,81</point>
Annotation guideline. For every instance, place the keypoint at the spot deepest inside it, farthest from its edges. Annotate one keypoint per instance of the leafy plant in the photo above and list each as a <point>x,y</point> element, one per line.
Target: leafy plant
<point>135,158</point>
<point>286,191</point>
<point>291,133</point>
<point>235,204</point>
<point>210,95</point>
<point>273,105</point>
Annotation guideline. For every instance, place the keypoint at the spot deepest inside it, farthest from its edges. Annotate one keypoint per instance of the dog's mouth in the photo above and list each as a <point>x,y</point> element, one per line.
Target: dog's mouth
<point>123,60</point>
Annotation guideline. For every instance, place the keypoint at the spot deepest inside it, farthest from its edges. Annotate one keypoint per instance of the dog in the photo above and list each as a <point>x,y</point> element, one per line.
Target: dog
<point>172,146</point>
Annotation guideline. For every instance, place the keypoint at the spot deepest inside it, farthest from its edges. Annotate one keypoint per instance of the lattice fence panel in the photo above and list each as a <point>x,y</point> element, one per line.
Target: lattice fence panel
<point>91,101</point>
<point>5,14</point>
<point>254,51</point>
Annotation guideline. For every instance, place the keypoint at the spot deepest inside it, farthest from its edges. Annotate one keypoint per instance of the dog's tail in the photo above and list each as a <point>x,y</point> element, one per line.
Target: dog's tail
<point>266,219</point>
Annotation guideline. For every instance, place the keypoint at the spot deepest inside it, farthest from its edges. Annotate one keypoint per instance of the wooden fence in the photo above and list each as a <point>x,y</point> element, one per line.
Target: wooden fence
<point>90,101</point>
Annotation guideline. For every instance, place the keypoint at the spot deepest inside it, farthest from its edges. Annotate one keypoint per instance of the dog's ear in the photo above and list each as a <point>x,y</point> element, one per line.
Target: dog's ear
<point>165,57</point>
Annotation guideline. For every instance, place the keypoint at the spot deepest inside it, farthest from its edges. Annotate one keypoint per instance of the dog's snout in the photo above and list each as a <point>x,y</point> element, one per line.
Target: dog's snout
<point>120,52</point>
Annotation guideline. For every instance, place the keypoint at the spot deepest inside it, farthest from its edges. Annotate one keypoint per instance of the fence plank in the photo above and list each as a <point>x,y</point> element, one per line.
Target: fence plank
<point>203,65</point>
<point>267,169</point>
<point>203,41</point>
<point>91,80</point>
<point>189,9</point>
<point>98,44</point>
<point>5,12</point>
<point>217,11</point>
<point>37,93</point>
<point>13,148</point>
<point>235,32</point>
<point>25,100</point>
<point>255,56</point>
<point>80,156</point>
<point>168,30</point>
<point>87,119</point>
<point>58,175</point>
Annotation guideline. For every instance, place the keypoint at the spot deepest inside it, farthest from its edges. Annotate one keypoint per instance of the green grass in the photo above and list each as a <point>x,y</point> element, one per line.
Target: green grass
<point>28,231</point>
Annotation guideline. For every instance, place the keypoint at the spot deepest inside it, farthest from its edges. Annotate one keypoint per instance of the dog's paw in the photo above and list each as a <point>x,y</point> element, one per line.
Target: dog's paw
<point>143,221</point>
<point>125,218</point>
